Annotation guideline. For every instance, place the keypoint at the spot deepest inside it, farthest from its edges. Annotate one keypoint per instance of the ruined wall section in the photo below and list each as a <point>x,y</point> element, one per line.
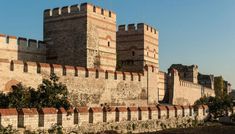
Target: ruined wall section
<point>18,48</point>
<point>183,92</point>
<point>89,87</point>
<point>83,35</point>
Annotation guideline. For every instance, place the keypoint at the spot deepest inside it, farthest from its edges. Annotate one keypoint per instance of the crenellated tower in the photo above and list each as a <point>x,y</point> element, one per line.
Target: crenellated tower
<point>136,47</point>
<point>82,35</point>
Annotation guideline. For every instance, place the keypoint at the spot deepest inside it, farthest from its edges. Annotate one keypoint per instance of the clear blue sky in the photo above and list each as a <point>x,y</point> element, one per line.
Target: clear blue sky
<point>198,32</point>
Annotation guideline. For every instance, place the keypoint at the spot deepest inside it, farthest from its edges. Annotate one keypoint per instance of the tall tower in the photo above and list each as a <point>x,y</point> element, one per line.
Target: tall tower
<point>136,47</point>
<point>81,35</point>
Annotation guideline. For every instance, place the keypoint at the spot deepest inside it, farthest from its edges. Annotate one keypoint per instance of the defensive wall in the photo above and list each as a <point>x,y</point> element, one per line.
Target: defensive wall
<point>18,48</point>
<point>87,87</point>
<point>184,92</point>
<point>31,118</point>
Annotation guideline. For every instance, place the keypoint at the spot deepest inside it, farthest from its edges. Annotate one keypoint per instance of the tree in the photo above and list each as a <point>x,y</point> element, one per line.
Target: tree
<point>218,86</point>
<point>53,93</point>
<point>50,93</point>
<point>19,97</point>
<point>218,106</point>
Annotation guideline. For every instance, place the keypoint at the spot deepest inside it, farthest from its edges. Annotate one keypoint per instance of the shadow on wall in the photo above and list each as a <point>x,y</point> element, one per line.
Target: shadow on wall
<point>31,50</point>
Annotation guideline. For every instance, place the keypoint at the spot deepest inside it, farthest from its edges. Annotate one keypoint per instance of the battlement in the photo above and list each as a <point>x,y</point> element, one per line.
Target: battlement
<point>140,27</point>
<point>189,84</point>
<point>63,70</point>
<point>13,42</point>
<point>79,9</point>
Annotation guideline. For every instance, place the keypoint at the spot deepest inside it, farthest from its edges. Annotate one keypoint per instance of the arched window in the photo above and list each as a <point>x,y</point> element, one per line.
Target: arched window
<point>108,43</point>
<point>102,11</point>
<point>110,14</point>
<point>94,9</point>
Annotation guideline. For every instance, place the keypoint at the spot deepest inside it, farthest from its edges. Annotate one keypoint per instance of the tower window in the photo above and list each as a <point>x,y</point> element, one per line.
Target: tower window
<point>110,14</point>
<point>102,11</point>
<point>108,44</point>
<point>94,9</point>
<point>133,53</point>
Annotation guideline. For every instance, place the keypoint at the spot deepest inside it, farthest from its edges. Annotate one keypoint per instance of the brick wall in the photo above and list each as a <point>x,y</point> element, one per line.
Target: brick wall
<point>46,117</point>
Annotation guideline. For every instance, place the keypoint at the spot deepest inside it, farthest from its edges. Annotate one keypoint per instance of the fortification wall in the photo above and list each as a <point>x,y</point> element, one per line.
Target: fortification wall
<point>208,91</point>
<point>85,116</point>
<point>184,92</point>
<point>86,86</point>
<point>17,48</point>
<point>162,85</point>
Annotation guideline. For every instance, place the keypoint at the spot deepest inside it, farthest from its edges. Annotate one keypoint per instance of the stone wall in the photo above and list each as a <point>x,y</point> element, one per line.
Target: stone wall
<point>87,87</point>
<point>136,46</point>
<point>81,35</point>
<point>184,92</point>
<point>47,117</point>
<point>18,48</point>
<point>162,86</point>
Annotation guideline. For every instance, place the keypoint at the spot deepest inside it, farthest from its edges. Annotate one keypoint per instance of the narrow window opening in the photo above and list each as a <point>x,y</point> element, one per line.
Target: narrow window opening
<point>102,11</point>
<point>87,73</point>
<point>96,74</point>
<point>25,67</point>
<point>94,9</point>
<point>139,114</point>
<point>115,76</point>
<point>52,69</point>
<point>128,114</point>
<point>108,44</point>
<point>117,115</point>
<point>133,53</point>
<point>64,71</point>
<point>150,114</point>
<point>110,14</point>
<point>132,77</point>
<point>38,68</point>
<point>11,66</point>
<point>106,75</point>
<point>76,72</point>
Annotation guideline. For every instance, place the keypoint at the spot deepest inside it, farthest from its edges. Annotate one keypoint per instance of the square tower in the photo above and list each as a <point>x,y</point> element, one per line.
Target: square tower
<point>81,35</point>
<point>136,47</point>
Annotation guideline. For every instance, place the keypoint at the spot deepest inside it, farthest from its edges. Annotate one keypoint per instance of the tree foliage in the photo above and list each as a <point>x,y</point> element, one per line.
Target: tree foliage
<point>218,106</point>
<point>219,86</point>
<point>50,93</point>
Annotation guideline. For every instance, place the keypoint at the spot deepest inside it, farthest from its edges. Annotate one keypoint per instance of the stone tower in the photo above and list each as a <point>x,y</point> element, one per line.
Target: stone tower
<point>136,47</point>
<point>81,35</point>
<point>187,73</point>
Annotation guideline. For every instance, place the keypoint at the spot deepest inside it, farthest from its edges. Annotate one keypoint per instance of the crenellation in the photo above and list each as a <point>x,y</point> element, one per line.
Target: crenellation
<point>122,28</point>
<point>56,11</point>
<point>131,27</point>
<point>47,13</point>
<point>75,9</point>
<point>65,10</point>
